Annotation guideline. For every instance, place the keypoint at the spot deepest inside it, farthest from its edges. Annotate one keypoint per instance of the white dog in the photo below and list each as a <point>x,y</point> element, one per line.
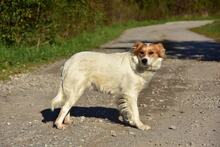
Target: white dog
<point>122,74</point>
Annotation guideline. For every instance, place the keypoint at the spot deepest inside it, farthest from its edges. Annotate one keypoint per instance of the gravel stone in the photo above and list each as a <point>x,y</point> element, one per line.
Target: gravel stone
<point>172,127</point>
<point>113,133</point>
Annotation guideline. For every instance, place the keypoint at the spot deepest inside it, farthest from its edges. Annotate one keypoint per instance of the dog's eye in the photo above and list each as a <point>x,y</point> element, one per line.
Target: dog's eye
<point>142,52</point>
<point>151,53</point>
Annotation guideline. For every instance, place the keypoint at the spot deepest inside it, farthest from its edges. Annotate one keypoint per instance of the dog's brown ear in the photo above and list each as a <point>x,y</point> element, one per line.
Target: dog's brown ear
<point>161,50</point>
<point>136,47</point>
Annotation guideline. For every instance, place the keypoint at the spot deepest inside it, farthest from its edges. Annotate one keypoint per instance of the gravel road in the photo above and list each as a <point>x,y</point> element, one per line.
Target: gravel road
<point>181,103</point>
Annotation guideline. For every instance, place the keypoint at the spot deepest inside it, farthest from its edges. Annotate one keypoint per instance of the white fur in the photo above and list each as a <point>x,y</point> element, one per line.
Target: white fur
<point>117,73</point>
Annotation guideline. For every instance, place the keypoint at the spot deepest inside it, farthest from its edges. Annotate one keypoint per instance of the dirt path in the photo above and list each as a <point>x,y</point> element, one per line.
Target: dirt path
<point>182,103</point>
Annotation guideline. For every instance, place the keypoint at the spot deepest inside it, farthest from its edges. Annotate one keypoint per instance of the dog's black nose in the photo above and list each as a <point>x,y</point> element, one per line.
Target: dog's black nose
<point>144,61</point>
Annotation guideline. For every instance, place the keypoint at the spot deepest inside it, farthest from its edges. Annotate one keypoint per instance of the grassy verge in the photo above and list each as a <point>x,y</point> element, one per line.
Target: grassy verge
<point>15,60</point>
<point>211,30</point>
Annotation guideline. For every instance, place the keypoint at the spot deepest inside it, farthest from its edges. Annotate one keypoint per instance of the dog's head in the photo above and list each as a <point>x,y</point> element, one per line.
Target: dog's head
<point>149,55</point>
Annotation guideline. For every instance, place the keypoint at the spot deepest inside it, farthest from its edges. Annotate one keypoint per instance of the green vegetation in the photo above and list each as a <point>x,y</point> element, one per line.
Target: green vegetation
<point>36,22</point>
<point>211,30</point>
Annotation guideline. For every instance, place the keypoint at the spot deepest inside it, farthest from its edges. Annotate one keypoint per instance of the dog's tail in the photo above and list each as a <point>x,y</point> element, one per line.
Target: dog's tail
<point>59,99</point>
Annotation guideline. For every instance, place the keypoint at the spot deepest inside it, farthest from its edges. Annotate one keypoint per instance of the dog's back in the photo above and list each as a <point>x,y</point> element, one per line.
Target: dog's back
<point>102,62</point>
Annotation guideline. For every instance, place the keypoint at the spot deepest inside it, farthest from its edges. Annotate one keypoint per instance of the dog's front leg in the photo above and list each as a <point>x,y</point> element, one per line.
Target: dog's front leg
<point>129,107</point>
<point>135,113</point>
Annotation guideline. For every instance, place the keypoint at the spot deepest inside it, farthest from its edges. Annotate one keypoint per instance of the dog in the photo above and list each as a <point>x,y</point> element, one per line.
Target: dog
<point>122,74</point>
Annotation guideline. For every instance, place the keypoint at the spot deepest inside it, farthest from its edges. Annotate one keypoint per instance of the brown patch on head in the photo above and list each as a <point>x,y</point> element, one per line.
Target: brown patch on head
<point>137,47</point>
<point>160,50</point>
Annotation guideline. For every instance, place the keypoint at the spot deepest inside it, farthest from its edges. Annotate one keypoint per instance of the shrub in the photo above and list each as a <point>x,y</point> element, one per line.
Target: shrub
<point>35,22</point>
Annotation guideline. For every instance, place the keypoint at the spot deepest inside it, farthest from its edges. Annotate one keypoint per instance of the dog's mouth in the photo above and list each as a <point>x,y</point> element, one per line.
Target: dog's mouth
<point>145,66</point>
<point>149,67</point>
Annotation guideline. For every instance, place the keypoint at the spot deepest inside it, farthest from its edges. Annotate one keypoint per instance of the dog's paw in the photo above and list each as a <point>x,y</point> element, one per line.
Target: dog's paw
<point>68,121</point>
<point>143,127</point>
<point>61,126</point>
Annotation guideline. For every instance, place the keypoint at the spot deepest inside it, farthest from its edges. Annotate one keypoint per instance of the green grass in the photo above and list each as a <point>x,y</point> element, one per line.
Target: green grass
<point>15,60</point>
<point>211,30</point>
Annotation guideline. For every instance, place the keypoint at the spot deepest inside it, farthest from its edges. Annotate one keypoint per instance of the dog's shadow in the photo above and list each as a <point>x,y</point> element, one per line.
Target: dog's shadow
<point>110,114</point>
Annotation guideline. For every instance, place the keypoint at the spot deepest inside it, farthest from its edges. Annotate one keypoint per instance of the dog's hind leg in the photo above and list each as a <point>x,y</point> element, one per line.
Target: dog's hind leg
<point>72,96</point>
<point>129,110</point>
<point>67,119</point>
<point>124,109</point>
